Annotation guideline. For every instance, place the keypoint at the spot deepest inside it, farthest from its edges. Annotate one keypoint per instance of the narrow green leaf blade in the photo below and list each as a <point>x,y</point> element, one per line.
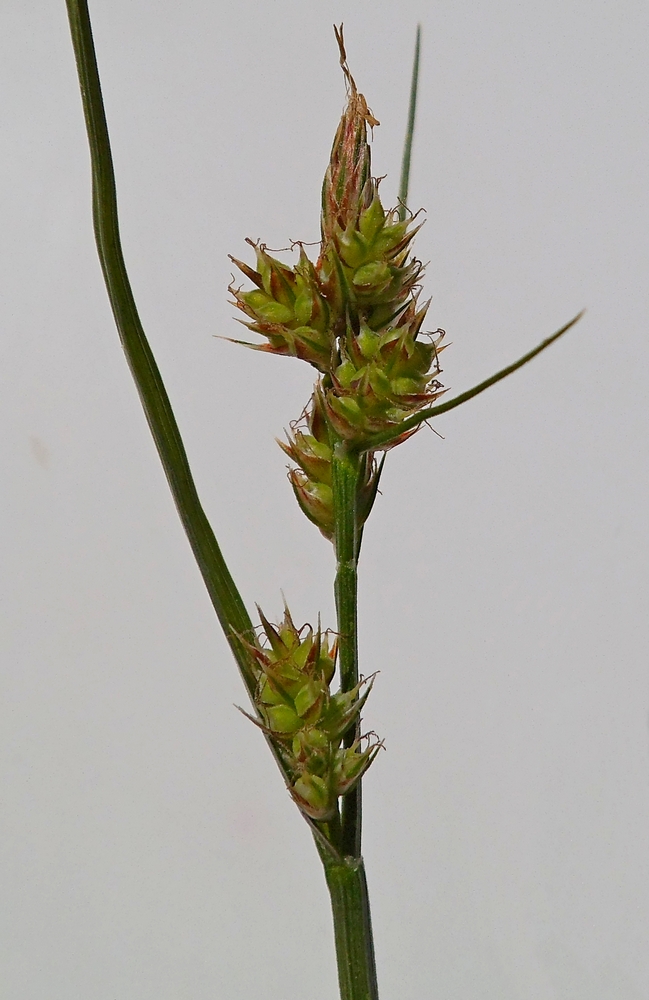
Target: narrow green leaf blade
<point>410,131</point>
<point>380,440</point>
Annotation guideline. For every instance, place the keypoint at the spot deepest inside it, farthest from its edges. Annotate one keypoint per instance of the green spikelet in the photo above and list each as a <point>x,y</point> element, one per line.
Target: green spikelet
<point>286,308</point>
<point>304,719</point>
<point>309,447</point>
<point>384,377</point>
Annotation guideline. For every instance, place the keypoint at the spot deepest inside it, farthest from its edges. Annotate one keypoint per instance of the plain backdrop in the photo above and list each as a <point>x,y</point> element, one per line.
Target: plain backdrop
<point>148,848</point>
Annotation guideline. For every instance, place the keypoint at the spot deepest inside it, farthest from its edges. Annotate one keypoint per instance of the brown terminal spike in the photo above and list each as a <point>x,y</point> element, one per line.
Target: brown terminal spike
<point>371,120</point>
<point>348,186</point>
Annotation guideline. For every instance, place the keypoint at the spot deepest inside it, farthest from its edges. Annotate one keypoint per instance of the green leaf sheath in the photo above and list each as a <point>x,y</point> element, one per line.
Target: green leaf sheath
<point>410,131</point>
<point>352,929</point>
<point>225,597</point>
<point>385,437</point>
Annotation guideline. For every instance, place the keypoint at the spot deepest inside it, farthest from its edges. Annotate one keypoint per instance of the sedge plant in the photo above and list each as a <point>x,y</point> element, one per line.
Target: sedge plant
<point>356,316</point>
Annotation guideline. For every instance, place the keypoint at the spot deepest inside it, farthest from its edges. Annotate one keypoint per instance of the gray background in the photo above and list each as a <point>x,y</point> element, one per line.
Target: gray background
<point>148,849</point>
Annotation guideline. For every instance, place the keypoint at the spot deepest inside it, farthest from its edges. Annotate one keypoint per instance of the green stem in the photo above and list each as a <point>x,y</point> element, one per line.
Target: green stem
<point>221,588</point>
<point>352,929</point>
<point>224,595</point>
<point>345,479</point>
<point>346,880</point>
<point>345,476</point>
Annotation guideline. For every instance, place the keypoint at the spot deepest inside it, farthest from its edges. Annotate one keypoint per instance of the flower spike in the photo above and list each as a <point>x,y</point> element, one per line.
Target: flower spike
<point>306,722</point>
<point>355,316</point>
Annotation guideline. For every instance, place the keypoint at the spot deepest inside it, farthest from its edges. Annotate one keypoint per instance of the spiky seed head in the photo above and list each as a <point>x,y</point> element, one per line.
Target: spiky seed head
<point>312,480</point>
<point>353,315</point>
<point>304,719</point>
<point>286,308</point>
